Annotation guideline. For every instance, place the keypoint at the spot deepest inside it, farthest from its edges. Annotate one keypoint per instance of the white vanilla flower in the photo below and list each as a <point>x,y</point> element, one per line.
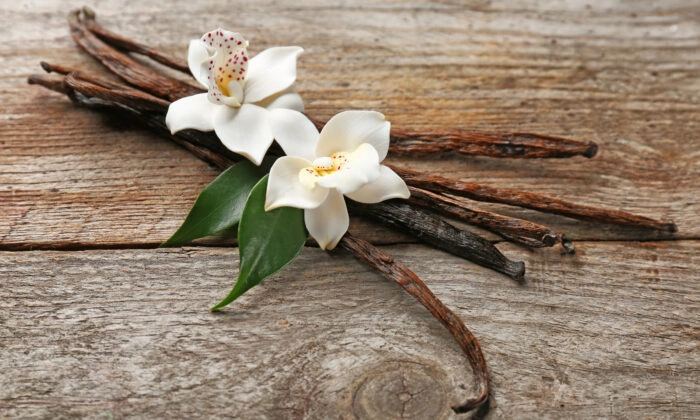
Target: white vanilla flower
<point>241,92</point>
<point>344,159</point>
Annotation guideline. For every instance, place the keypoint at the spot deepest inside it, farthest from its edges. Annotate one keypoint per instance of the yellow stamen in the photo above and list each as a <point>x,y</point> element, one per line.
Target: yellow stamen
<point>321,167</point>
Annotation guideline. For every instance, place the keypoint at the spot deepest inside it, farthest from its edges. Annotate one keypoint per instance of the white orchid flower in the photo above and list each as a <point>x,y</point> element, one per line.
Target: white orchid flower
<point>241,92</point>
<point>344,159</point>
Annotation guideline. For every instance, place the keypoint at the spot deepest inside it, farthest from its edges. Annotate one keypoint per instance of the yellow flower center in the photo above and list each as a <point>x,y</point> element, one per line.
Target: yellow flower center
<point>321,167</point>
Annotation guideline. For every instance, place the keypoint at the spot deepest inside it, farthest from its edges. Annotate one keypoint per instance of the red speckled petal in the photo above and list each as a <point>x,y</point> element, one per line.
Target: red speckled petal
<point>227,63</point>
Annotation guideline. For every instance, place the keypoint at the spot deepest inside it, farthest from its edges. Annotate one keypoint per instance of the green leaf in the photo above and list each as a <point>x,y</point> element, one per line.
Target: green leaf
<point>268,241</point>
<point>220,205</point>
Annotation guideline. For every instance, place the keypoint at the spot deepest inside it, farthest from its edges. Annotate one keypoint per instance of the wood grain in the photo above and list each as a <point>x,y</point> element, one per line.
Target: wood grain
<point>73,178</point>
<point>126,333</point>
<point>607,333</point>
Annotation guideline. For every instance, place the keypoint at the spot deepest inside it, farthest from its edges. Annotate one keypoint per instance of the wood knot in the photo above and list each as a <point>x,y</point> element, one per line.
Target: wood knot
<point>401,390</point>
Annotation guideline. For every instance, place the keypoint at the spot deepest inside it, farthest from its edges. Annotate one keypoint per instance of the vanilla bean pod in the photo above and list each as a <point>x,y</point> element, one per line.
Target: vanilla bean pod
<point>79,90</point>
<point>403,142</point>
<point>437,232</point>
<point>495,144</point>
<point>480,143</point>
<point>122,65</point>
<point>166,87</point>
<point>480,192</point>
<point>411,283</point>
<point>362,250</point>
<point>59,69</point>
<point>515,230</point>
<point>130,45</point>
<point>206,146</point>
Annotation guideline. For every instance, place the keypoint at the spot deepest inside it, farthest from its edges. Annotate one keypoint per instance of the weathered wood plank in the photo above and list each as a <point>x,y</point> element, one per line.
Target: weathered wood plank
<point>624,75</point>
<point>611,332</point>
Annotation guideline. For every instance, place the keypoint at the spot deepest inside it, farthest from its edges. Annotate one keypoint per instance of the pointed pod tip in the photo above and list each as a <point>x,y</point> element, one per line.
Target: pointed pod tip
<point>471,404</point>
<point>516,270</point>
<point>568,245</point>
<point>550,238</point>
<point>671,227</point>
<point>591,151</point>
<point>88,12</point>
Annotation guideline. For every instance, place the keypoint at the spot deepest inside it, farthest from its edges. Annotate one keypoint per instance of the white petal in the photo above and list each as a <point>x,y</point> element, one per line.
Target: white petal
<point>244,130</point>
<point>328,222</point>
<point>288,99</point>
<point>232,90</point>
<point>285,190</point>
<point>294,132</point>
<point>362,167</point>
<point>235,90</point>
<point>387,186</point>
<point>271,71</point>
<point>227,63</point>
<point>196,55</point>
<point>191,112</point>
<point>349,129</point>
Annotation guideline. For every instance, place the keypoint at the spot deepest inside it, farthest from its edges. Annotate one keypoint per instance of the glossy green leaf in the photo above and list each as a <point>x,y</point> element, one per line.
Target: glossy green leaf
<point>267,241</point>
<point>220,205</point>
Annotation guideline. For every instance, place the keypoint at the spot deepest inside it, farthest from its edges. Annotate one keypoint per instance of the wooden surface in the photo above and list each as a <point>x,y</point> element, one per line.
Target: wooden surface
<point>610,332</point>
<point>126,333</point>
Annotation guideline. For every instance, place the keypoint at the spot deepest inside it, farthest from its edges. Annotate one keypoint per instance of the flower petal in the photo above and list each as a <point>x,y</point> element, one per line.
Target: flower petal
<point>227,63</point>
<point>232,97</point>
<point>387,186</point>
<point>362,167</point>
<point>196,55</point>
<point>328,222</point>
<point>244,130</point>
<point>288,99</point>
<point>285,190</point>
<point>294,132</point>
<point>194,112</point>
<point>271,71</point>
<point>349,129</point>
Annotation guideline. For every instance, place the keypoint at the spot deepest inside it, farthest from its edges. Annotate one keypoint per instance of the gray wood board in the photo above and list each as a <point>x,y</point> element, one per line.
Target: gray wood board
<point>609,332</point>
<point>626,75</point>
